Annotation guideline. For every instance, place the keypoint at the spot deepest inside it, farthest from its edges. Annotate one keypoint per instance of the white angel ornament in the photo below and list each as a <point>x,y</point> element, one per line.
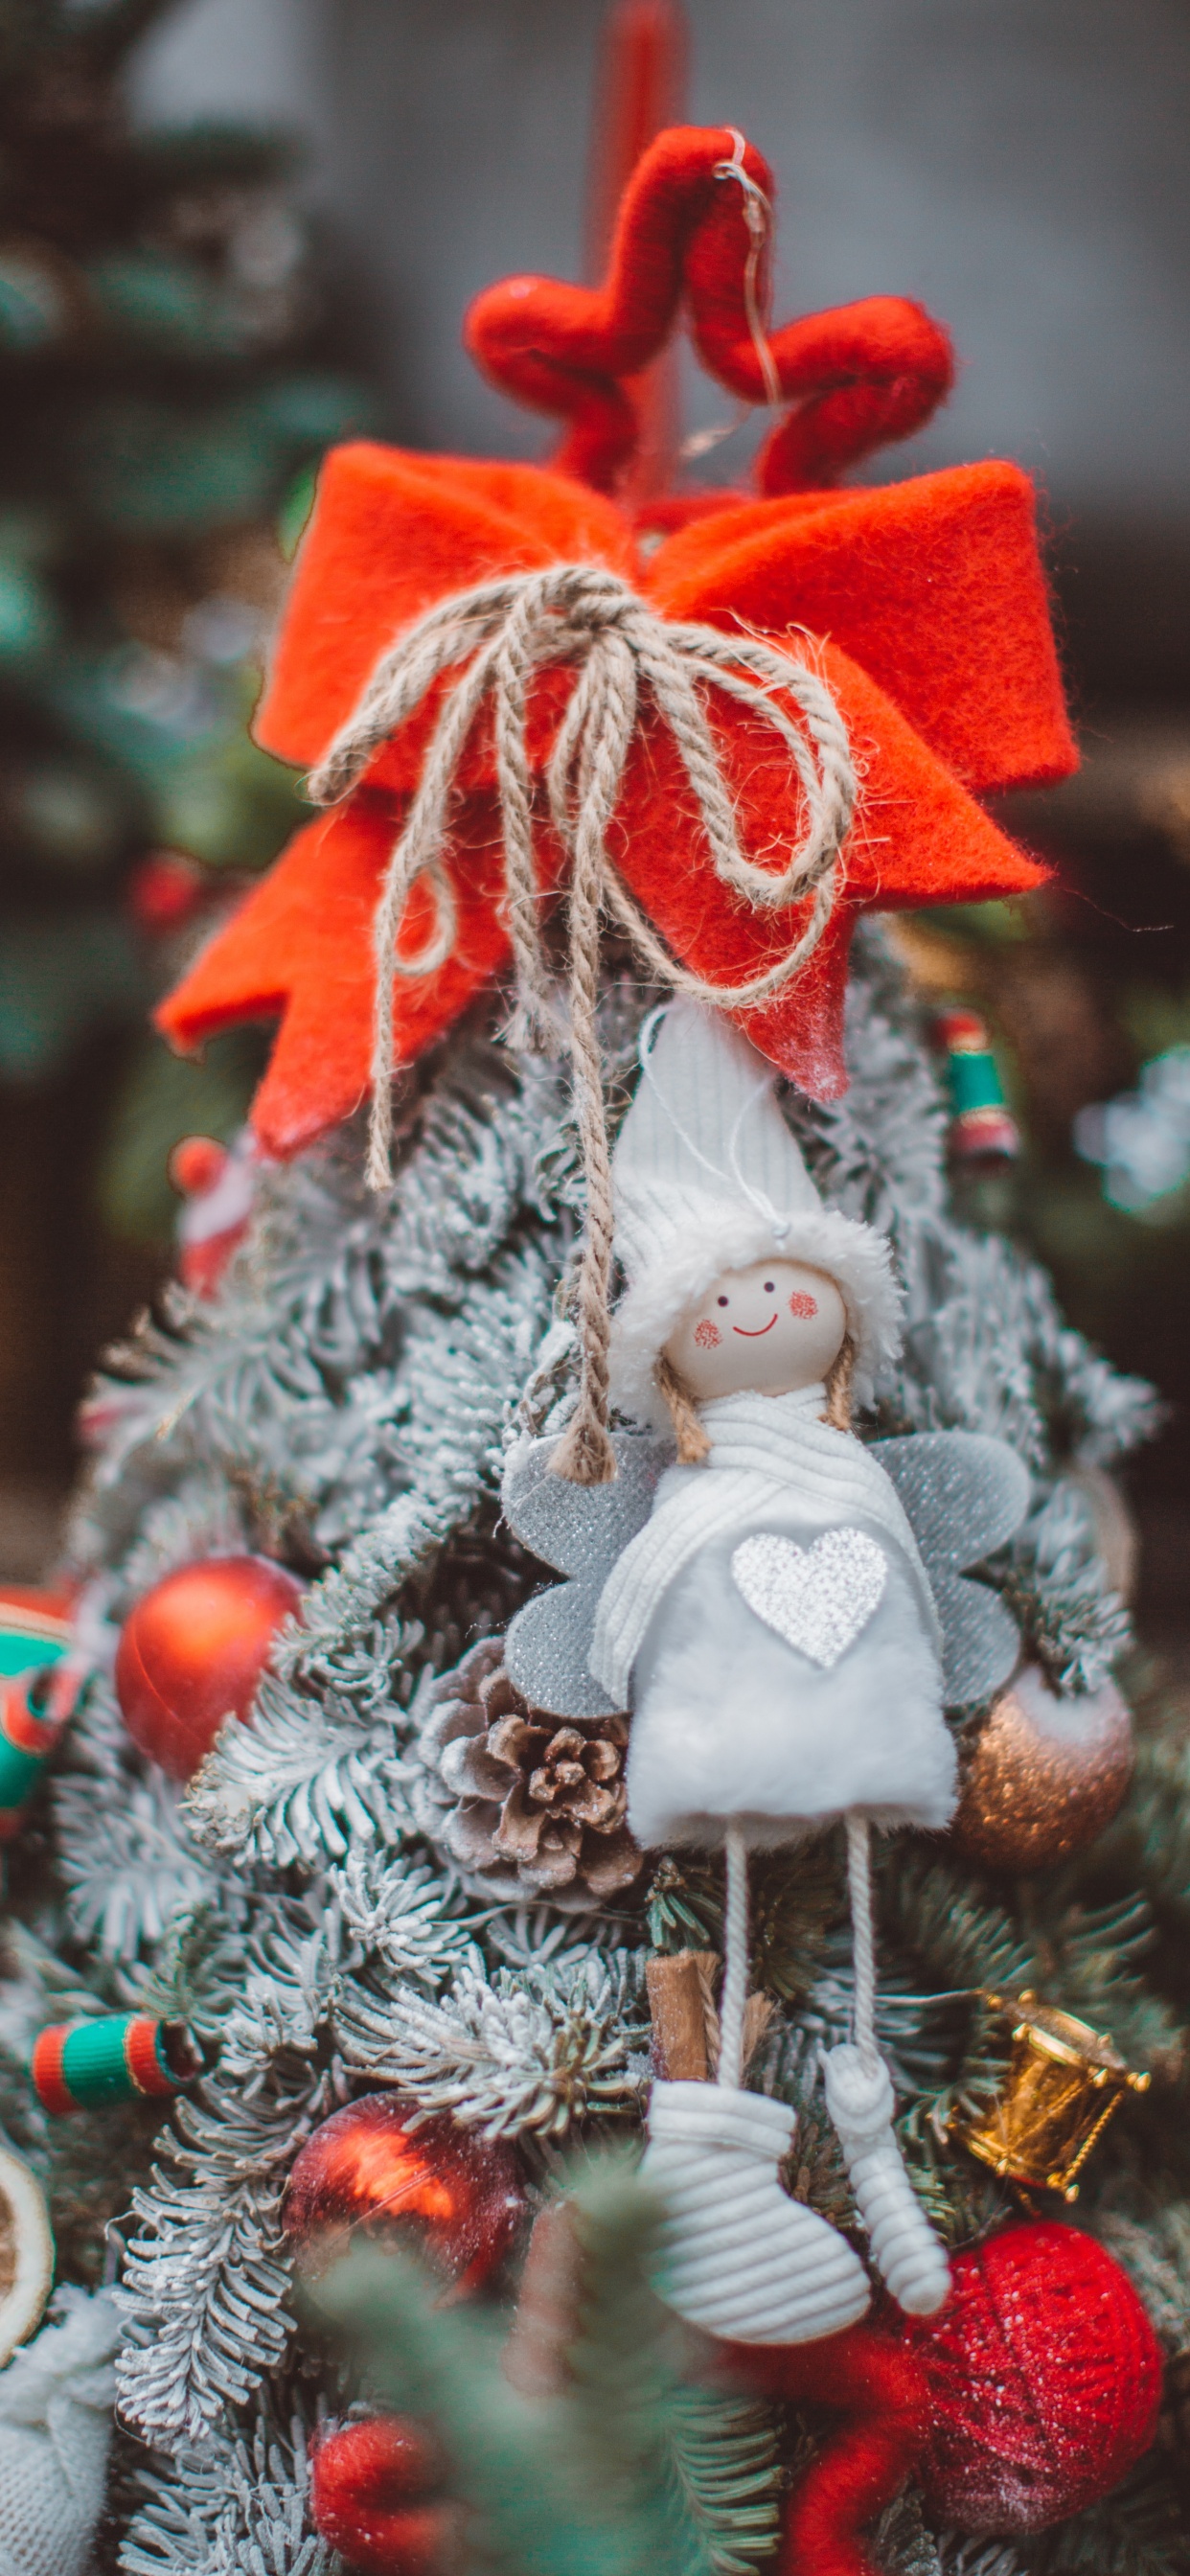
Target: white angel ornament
<point>765,1612</point>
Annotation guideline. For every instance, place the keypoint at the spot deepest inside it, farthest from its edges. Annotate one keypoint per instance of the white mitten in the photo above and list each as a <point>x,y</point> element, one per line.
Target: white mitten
<point>55,2425</point>
<point>905,2250</point>
<point>741,2259</point>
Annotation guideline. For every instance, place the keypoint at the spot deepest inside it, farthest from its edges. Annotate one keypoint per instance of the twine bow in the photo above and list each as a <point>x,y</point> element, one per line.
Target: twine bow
<point>504,633</point>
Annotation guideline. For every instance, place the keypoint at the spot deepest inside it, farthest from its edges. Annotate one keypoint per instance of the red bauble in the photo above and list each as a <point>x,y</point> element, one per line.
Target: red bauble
<point>459,2198</point>
<point>192,1651</point>
<point>368,2485</point>
<point>1044,2379</point>
<point>1029,2396</point>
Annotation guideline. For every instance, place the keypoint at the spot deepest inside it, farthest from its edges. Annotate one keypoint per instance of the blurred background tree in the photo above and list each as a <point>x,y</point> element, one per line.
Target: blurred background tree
<point>166,395</point>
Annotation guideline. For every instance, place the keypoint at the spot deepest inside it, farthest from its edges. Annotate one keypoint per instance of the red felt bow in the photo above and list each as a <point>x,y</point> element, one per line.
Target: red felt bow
<point>921,605</point>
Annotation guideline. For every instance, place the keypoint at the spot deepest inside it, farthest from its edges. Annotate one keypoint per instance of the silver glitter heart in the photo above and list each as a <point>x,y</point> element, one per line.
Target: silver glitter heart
<point>818,1598</point>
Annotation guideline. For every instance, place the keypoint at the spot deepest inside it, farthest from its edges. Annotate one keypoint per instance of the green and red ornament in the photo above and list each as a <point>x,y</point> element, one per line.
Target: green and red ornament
<point>33,1713</point>
<point>34,1627</point>
<point>374,2170</point>
<point>115,2057</point>
<point>217,1185</point>
<point>37,1692</point>
<point>981,1125</point>
<point>192,1652</point>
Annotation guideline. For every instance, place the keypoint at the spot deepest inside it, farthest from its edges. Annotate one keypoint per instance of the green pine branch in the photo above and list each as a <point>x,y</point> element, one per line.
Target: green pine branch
<point>794,1898</point>
<point>1140,2530</point>
<point>957,1933</point>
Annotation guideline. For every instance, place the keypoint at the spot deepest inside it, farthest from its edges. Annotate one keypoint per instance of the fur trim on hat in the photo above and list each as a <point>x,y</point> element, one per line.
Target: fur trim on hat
<point>731,1237</point>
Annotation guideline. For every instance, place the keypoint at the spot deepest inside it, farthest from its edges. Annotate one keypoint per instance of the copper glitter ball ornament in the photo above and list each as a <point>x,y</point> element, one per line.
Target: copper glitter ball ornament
<point>1045,1775</point>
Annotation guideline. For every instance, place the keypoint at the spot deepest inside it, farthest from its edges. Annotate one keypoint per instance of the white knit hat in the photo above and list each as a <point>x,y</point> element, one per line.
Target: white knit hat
<point>707,1179</point>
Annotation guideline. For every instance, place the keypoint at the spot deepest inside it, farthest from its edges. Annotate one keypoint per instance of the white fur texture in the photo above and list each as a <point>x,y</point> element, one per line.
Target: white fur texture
<point>707,1179</point>
<point>766,1451</point>
<point>731,1721</point>
<point>720,1235</point>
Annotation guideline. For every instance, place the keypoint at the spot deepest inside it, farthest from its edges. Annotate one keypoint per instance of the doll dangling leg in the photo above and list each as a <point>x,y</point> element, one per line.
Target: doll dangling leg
<point>859,2097</point>
<point>734,1994</point>
<point>739,2257</point>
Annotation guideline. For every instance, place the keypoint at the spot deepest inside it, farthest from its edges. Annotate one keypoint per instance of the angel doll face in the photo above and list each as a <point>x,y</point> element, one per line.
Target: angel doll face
<point>766,1330</point>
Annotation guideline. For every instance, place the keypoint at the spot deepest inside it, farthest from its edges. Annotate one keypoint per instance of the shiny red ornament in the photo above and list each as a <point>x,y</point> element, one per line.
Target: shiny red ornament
<point>192,1652</point>
<point>369,2490</point>
<point>457,2197</point>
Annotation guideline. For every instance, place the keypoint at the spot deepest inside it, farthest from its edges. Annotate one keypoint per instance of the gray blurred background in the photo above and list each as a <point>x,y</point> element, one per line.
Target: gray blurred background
<point>1021,166</point>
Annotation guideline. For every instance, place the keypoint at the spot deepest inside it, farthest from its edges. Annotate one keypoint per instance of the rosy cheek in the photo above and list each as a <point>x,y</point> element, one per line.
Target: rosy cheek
<point>801,1304</point>
<point>707,1335</point>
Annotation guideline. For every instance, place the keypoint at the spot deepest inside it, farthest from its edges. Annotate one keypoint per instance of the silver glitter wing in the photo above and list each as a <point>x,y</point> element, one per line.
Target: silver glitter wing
<point>580,1529</point>
<point>964,1494</point>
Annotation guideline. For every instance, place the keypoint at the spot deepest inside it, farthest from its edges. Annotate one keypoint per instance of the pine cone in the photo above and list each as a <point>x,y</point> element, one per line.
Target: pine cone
<point>533,1805</point>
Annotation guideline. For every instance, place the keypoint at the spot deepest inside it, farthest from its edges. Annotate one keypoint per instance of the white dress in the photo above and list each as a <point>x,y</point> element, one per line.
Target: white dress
<point>772,1629</point>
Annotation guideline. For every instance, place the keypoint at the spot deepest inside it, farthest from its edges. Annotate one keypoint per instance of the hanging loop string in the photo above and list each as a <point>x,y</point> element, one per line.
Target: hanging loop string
<point>758,216</point>
<point>498,637</point>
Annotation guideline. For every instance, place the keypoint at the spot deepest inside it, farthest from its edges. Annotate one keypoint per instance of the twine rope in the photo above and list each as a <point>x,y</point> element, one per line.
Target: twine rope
<point>499,636</point>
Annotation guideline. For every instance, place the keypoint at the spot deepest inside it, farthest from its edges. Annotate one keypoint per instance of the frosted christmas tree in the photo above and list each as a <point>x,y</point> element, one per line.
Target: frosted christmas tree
<point>372,1832</point>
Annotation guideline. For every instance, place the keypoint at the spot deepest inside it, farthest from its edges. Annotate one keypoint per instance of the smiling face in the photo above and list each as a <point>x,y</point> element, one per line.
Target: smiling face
<point>767,1330</point>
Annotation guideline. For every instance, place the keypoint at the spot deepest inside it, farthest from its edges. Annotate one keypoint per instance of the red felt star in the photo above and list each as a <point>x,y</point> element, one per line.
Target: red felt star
<point>922,604</point>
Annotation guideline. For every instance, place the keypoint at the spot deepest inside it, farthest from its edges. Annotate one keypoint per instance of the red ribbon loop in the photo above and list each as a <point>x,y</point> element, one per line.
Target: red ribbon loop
<point>695,222</point>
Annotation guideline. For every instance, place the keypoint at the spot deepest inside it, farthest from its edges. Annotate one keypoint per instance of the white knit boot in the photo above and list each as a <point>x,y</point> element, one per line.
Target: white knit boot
<point>740,2258</point>
<point>905,2250</point>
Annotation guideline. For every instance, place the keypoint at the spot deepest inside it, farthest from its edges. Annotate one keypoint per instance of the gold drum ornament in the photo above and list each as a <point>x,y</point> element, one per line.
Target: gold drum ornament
<point>1065,2081</point>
